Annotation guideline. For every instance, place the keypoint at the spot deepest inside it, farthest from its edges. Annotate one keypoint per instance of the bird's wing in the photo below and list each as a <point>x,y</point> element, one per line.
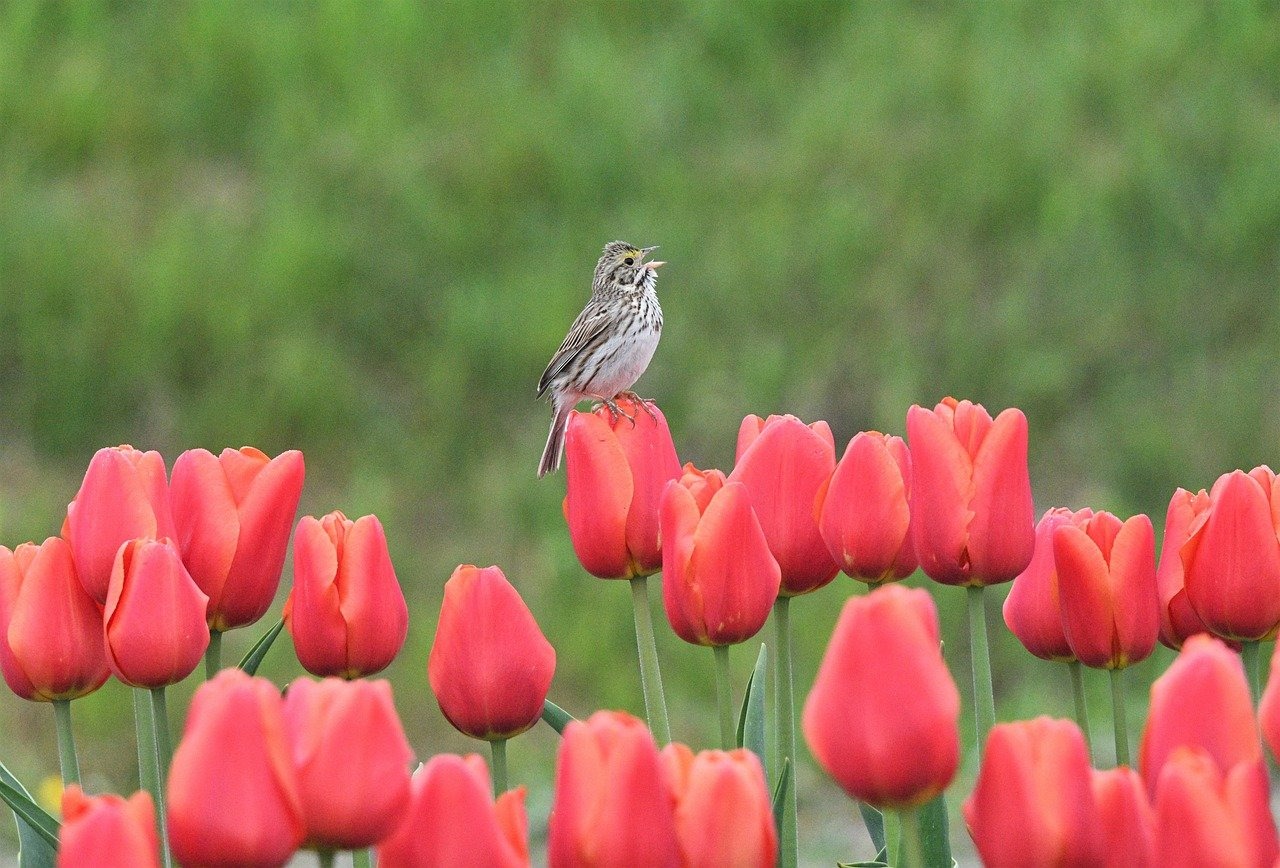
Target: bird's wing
<point>589,324</point>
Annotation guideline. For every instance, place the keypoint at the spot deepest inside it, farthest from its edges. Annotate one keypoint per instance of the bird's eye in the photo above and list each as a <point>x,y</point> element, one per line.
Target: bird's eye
<point>630,260</point>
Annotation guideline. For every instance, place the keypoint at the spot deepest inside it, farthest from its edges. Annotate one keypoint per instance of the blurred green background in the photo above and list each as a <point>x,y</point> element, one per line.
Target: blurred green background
<point>361,230</point>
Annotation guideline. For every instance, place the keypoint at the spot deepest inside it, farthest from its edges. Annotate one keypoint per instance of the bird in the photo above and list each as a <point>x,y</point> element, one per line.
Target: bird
<point>608,346</point>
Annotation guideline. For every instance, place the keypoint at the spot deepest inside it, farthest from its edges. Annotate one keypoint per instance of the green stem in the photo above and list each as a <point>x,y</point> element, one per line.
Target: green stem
<point>361,858</point>
<point>788,844</point>
<point>164,753</point>
<point>149,762</point>
<point>984,703</point>
<point>1118,718</point>
<point>912,855</point>
<point>213,654</point>
<point>67,760</point>
<point>1082,706</point>
<point>655,703</point>
<point>499,749</point>
<point>325,857</point>
<point>1249,656</point>
<point>724,696</point>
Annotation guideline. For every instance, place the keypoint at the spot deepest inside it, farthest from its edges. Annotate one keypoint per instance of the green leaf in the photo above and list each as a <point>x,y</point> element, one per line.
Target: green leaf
<point>751,719</point>
<point>780,792</point>
<point>875,828</point>
<point>555,716</point>
<point>253,659</point>
<point>935,835</point>
<point>876,864</point>
<point>37,828</point>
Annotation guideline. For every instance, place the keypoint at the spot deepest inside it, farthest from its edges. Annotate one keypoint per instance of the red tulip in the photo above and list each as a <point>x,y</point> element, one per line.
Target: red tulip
<point>724,816</point>
<point>107,830</point>
<point>881,718</point>
<point>612,800</point>
<point>490,665</point>
<point>1033,802</point>
<point>352,760</point>
<point>863,512</point>
<point>1202,700</point>
<point>1107,588</point>
<point>124,496</point>
<point>1177,619</point>
<point>971,515</point>
<point>50,629</point>
<point>453,820</point>
<point>233,513</point>
<point>617,471</point>
<point>233,791</point>
<point>1128,825</point>
<point>1208,816</point>
<point>784,464</point>
<point>1231,559</point>
<point>346,613</point>
<point>1269,707</point>
<point>1032,610</point>
<point>153,626</point>
<point>719,580</point>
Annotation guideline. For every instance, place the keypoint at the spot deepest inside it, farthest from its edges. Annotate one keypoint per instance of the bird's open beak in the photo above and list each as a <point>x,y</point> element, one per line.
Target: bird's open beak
<point>654,264</point>
<point>645,251</point>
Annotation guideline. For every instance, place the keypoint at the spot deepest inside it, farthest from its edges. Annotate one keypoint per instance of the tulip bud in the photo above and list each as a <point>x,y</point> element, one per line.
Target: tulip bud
<point>971,514</point>
<point>1033,802</point>
<point>107,830</point>
<point>490,666</point>
<point>124,496</point>
<point>724,815</point>
<point>1128,825</point>
<point>882,716</point>
<point>352,760</point>
<point>784,464</point>
<point>50,628</point>
<point>1231,559</point>
<point>1033,611</point>
<point>154,626</point>
<point>453,820</point>
<point>863,513</point>
<point>612,800</point>
<point>233,513</point>
<point>1107,588</point>
<point>346,613</point>
<point>1177,619</point>
<point>1208,816</point>
<point>1202,700</point>
<point>233,791</point>
<point>617,471</point>
<point>719,580</point>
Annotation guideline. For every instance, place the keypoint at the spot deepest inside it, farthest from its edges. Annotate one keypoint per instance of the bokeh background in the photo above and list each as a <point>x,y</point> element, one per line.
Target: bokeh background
<point>360,230</point>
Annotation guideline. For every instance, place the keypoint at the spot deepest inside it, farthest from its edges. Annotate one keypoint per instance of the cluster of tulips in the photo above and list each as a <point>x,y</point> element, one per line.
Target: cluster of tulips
<point>151,568</point>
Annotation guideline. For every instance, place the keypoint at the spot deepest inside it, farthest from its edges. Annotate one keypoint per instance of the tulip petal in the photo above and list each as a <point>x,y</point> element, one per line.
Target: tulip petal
<point>941,490</point>
<point>1002,531</point>
<point>372,604</point>
<point>864,516</point>
<point>599,495</point>
<point>205,517</point>
<point>314,616</point>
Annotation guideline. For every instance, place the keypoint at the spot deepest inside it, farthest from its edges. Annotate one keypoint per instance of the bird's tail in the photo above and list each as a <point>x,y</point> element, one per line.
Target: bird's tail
<point>555,441</point>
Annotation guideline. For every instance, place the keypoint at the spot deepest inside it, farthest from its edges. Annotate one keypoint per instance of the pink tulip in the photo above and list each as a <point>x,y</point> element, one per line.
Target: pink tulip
<point>1206,815</point>
<point>1033,611</point>
<point>1177,619</point>
<point>107,830</point>
<point>1128,825</point>
<point>723,814</point>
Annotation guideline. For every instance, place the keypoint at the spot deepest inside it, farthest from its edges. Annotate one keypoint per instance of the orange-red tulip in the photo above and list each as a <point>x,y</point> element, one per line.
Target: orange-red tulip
<point>1177,619</point>
<point>617,471</point>
<point>1128,825</point>
<point>1231,559</point>
<point>1033,803</point>
<point>1107,588</point>
<point>724,816</point>
<point>352,760</point>
<point>124,496</point>
<point>107,830</point>
<point>50,629</point>
<point>784,463</point>
<point>453,820</point>
<point>881,718</point>
<point>490,665</point>
<point>612,799</point>
<point>1206,815</point>
<point>719,580</point>
<point>233,514</point>
<point>864,514</point>
<point>233,792</point>
<point>1202,700</point>
<point>1033,611</point>
<point>154,622</point>
<point>971,513</point>
<point>346,613</point>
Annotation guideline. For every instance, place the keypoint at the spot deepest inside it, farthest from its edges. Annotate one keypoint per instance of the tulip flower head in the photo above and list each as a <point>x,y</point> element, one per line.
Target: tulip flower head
<point>719,579</point>
<point>107,830</point>
<point>346,613</point>
<point>1033,611</point>
<point>1128,825</point>
<point>724,815</point>
<point>617,471</point>
<point>971,513</point>
<point>490,666</point>
<point>784,464</point>
<point>1178,619</point>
